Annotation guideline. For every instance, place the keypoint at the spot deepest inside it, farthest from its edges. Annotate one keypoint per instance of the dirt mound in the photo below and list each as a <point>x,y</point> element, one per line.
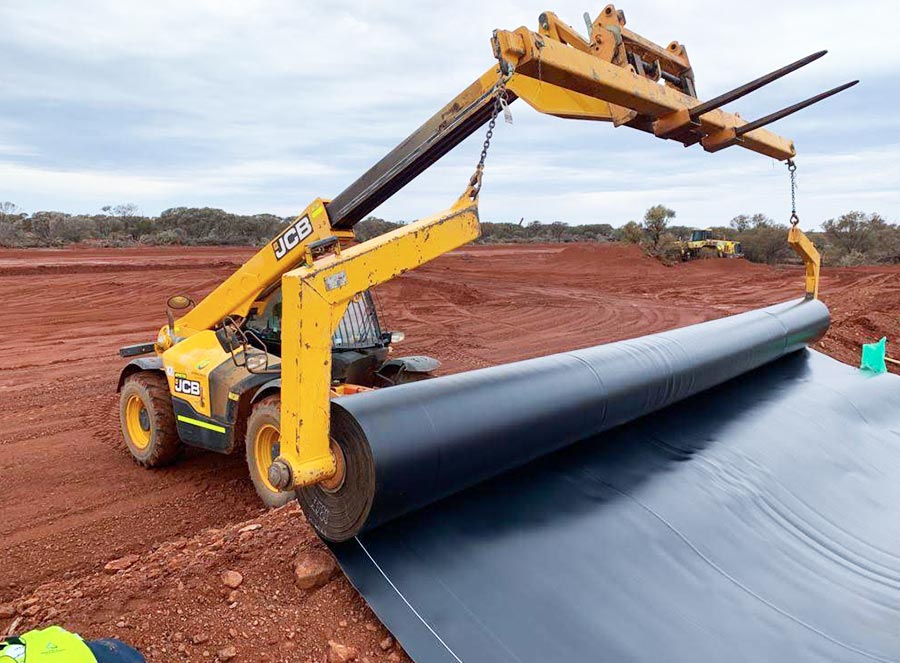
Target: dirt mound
<point>611,256</point>
<point>727,267</point>
<point>222,594</point>
<point>72,500</point>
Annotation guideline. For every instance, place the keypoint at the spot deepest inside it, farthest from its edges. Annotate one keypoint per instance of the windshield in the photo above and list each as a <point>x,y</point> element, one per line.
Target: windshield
<point>359,328</point>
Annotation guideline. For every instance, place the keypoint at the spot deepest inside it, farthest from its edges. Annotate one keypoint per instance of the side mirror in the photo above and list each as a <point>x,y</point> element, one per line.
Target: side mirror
<point>392,337</point>
<point>257,362</point>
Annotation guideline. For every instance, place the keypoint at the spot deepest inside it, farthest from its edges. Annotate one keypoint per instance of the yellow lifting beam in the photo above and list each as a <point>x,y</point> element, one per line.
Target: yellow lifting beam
<point>803,247</point>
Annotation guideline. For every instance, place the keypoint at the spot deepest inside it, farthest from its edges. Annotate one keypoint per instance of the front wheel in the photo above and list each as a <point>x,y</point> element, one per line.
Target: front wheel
<point>147,419</point>
<point>263,445</point>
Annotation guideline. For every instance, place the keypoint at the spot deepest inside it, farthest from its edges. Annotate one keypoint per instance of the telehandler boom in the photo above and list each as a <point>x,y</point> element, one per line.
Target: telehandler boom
<point>257,360</point>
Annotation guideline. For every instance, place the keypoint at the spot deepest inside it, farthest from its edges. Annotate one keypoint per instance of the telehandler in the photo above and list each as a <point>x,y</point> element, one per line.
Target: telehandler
<point>256,361</point>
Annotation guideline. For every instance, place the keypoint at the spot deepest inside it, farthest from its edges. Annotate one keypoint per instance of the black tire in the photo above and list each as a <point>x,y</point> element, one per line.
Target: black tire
<point>266,415</point>
<point>153,438</point>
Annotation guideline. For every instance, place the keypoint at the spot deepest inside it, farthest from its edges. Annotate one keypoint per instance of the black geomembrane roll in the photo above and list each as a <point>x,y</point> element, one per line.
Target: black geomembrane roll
<point>411,445</point>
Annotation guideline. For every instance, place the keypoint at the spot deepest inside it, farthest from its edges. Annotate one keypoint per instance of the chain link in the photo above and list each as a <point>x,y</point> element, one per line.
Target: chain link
<point>792,169</point>
<point>501,101</point>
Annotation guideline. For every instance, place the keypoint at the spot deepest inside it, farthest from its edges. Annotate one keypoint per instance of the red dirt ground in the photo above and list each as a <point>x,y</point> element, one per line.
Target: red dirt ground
<point>71,500</point>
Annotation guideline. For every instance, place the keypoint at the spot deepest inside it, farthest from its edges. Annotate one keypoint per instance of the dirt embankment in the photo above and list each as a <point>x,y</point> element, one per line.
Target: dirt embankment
<point>71,500</point>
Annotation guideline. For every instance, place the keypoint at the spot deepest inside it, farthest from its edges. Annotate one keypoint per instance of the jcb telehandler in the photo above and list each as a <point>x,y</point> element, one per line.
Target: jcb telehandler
<point>256,361</point>
<point>246,360</point>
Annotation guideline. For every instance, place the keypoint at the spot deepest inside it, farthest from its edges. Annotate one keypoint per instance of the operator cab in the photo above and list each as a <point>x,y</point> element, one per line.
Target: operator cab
<point>359,347</point>
<point>700,235</point>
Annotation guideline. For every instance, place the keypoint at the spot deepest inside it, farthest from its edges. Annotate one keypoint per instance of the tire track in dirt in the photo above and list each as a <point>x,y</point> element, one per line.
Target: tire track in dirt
<point>72,496</point>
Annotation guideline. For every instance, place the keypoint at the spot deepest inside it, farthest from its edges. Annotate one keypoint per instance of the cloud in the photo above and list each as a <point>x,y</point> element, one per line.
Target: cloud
<point>263,105</point>
<point>91,189</point>
<point>15,150</point>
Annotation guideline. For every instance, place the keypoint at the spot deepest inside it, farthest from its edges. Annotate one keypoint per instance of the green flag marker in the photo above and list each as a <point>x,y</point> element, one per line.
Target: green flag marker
<point>873,357</point>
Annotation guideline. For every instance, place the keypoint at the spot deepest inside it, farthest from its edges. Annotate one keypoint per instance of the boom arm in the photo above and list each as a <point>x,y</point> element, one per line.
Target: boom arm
<point>468,111</point>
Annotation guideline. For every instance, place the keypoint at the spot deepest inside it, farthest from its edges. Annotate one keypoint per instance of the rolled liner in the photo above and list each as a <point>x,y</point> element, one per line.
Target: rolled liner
<point>411,445</point>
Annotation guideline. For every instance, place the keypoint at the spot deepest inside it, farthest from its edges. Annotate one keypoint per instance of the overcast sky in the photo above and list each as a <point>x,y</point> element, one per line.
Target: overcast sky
<point>260,106</point>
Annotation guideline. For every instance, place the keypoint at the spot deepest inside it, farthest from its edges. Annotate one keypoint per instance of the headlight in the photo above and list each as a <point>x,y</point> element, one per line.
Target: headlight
<point>257,362</point>
<point>396,337</point>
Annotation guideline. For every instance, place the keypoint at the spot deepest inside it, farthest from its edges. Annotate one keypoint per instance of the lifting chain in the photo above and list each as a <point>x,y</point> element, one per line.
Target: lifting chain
<point>501,103</point>
<point>792,169</point>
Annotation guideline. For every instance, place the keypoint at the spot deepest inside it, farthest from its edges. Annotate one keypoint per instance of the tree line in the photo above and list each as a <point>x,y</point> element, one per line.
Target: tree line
<point>853,238</point>
<point>122,225</point>
<point>511,233</point>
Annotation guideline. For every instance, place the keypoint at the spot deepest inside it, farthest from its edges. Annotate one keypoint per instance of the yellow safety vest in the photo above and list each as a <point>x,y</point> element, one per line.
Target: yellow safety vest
<point>50,645</point>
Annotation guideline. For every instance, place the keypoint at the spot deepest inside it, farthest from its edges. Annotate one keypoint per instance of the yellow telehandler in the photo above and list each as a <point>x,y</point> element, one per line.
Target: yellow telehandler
<point>255,363</point>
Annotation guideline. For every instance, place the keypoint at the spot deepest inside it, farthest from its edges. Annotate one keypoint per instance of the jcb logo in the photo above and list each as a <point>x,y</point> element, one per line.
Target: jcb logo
<point>290,238</point>
<point>185,386</point>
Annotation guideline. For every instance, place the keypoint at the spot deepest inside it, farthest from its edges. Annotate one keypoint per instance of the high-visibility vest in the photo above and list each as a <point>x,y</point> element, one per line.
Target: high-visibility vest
<point>50,645</point>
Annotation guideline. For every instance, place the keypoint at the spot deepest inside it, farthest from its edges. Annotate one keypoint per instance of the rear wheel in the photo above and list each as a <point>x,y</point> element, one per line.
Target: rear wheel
<point>147,419</point>
<point>263,445</point>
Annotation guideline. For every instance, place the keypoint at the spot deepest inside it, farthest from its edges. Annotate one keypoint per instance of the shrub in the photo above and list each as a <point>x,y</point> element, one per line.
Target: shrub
<point>630,233</point>
<point>373,227</point>
<point>766,243</point>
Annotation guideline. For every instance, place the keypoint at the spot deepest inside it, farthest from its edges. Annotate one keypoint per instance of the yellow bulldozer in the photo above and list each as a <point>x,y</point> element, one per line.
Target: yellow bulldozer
<point>253,365</point>
<point>703,244</point>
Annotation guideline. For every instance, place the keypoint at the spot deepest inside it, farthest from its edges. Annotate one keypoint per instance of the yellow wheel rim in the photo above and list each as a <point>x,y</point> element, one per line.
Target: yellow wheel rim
<point>137,422</point>
<point>266,448</point>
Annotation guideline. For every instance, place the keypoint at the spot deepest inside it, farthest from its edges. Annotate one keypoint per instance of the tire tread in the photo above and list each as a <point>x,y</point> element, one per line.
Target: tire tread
<point>166,446</point>
<point>269,407</point>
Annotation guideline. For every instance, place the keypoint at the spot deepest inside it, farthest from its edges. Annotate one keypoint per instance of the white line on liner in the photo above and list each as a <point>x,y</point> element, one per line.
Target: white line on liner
<point>408,604</point>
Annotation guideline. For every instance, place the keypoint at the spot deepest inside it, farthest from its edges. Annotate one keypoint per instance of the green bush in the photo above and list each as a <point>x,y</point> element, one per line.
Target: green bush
<point>766,243</point>
<point>373,227</point>
<point>630,233</point>
<point>857,236</point>
<point>658,242</point>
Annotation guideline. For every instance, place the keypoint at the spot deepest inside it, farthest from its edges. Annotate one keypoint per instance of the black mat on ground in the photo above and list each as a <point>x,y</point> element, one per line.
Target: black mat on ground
<point>756,521</point>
